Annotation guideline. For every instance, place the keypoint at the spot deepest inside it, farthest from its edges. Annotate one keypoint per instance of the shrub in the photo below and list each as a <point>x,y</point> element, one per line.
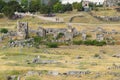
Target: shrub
<point>119,4</point>
<point>96,55</point>
<point>60,35</point>
<point>79,7</point>
<point>37,41</point>
<point>95,42</point>
<point>3,30</point>
<point>78,42</point>
<point>88,42</point>
<point>101,43</point>
<point>1,15</point>
<point>11,41</point>
<point>88,36</point>
<point>96,9</point>
<point>14,72</point>
<point>52,45</point>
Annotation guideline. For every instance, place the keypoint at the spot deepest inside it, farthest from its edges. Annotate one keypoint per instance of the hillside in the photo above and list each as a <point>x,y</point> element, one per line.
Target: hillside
<point>81,47</point>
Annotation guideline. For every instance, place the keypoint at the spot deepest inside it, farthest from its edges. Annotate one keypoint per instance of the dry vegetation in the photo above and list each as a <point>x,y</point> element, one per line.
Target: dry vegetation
<point>110,12</point>
<point>13,60</point>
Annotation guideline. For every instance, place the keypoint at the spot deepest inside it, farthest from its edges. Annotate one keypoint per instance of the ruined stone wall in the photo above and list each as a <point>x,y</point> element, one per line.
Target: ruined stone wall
<point>22,30</point>
<point>111,3</point>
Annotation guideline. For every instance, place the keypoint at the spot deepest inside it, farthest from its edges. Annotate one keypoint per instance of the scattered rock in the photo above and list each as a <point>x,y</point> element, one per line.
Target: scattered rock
<point>31,73</point>
<point>116,55</point>
<point>78,72</point>
<point>36,59</point>
<point>54,73</point>
<point>11,77</point>
<point>102,51</point>
<point>48,62</point>
<point>78,57</point>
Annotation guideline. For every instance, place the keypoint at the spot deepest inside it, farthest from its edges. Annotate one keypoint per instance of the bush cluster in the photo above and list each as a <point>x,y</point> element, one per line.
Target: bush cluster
<point>52,45</point>
<point>3,30</point>
<point>90,42</point>
<point>78,42</point>
<point>1,15</point>
<point>37,41</point>
<point>60,35</point>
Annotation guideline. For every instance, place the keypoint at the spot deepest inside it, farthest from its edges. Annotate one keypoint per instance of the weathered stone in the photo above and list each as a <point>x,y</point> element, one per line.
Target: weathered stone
<point>22,30</point>
<point>111,3</point>
<point>68,36</point>
<point>19,78</point>
<point>102,51</point>
<point>31,73</point>
<point>54,73</point>
<point>36,59</point>
<point>78,72</point>
<point>21,43</point>
<point>116,55</point>
<point>1,39</point>
<point>41,32</point>
<point>84,36</point>
<point>78,57</point>
<point>11,77</point>
<point>100,37</point>
<point>48,62</point>
<point>97,75</point>
<point>114,66</point>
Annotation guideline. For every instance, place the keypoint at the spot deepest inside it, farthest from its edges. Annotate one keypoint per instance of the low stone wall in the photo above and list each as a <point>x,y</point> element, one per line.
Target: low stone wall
<point>71,19</point>
<point>106,18</point>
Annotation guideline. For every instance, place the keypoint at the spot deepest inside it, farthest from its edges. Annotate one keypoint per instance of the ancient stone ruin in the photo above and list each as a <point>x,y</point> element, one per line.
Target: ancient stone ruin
<point>106,18</point>
<point>22,36</point>
<point>111,3</point>
<point>22,30</point>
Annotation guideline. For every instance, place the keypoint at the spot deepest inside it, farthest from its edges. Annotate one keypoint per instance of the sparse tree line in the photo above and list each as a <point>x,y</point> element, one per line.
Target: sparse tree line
<point>54,6</point>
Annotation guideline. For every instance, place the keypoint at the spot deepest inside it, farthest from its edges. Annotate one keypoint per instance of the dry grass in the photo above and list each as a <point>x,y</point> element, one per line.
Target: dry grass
<point>107,13</point>
<point>13,60</point>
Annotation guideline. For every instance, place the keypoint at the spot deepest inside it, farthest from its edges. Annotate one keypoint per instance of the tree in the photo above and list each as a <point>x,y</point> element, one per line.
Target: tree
<point>93,6</point>
<point>25,5</point>
<point>52,45</point>
<point>15,5</point>
<point>2,4</point>
<point>10,8</point>
<point>45,9</point>
<point>119,4</point>
<point>8,11</point>
<point>79,6</point>
<point>75,4</point>
<point>58,7</point>
<point>34,5</point>
<point>3,30</point>
<point>52,2</point>
<point>67,7</point>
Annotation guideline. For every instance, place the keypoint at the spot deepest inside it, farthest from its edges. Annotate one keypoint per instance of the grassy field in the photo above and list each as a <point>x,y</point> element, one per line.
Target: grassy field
<point>14,59</point>
<point>107,13</point>
<point>86,19</point>
<point>93,58</point>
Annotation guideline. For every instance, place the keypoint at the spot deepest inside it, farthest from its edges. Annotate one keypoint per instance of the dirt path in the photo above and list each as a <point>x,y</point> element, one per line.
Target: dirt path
<point>52,19</point>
